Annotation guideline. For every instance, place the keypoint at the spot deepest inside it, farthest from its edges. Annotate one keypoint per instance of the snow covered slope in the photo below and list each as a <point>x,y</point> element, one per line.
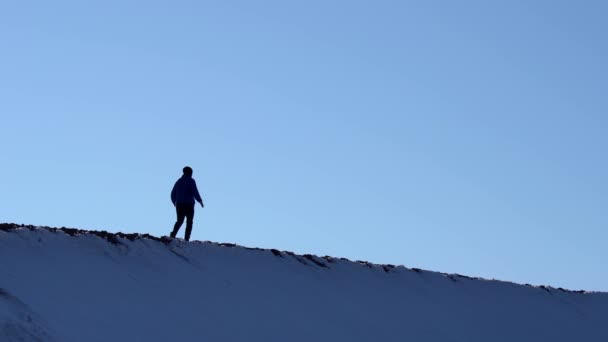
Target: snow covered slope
<point>69,285</point>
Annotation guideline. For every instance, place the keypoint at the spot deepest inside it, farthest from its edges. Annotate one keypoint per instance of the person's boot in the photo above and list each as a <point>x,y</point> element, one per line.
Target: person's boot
<point>174,231</point>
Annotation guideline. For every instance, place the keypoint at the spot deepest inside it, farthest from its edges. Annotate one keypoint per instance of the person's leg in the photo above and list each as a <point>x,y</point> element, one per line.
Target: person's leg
<point>181,215</point>
<point>189,220</point>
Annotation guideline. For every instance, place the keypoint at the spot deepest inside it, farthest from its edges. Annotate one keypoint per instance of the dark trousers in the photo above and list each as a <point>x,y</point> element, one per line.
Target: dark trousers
<point>184,211</point>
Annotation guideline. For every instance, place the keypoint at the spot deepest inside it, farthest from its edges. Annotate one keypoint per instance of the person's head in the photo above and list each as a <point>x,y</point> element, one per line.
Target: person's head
<point>187,171</point>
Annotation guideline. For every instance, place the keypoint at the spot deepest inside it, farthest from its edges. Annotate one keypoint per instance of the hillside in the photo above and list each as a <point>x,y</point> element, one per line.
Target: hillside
<point>75,285</point>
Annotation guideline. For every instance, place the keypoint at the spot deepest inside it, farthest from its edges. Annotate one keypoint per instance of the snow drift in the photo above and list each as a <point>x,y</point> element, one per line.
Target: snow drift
<point>74,285</point>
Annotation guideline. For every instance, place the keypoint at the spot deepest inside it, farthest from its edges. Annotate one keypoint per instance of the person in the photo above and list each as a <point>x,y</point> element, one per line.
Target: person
<point>183,195</point>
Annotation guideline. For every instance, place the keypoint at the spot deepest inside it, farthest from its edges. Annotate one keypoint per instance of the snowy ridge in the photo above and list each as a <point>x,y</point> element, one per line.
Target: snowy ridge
<point>306,259</point>
<point>62,284</point>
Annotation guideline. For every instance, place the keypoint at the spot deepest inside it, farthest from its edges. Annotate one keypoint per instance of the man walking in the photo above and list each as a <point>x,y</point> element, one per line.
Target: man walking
<point>183,195</point>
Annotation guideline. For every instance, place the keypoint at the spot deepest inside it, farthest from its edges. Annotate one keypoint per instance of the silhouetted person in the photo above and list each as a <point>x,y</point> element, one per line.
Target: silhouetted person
<point>183,195</point>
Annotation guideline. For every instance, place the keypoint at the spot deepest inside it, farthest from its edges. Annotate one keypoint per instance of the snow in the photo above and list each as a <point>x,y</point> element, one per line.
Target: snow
<point>80,286</point>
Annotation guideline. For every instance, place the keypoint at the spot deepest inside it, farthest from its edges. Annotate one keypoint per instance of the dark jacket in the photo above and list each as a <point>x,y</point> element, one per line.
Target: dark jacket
<point>185,191</point>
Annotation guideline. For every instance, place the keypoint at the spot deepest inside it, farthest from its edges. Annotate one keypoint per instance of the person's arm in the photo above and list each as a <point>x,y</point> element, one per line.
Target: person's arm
<point>197,196</point>
<point>173,199</point>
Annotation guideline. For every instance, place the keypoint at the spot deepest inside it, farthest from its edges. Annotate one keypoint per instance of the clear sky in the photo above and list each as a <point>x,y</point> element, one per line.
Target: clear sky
<point>455,136</point>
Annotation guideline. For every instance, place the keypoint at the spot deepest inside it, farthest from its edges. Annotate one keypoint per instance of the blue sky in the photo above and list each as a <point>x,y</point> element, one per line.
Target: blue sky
<point>462,137</point>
